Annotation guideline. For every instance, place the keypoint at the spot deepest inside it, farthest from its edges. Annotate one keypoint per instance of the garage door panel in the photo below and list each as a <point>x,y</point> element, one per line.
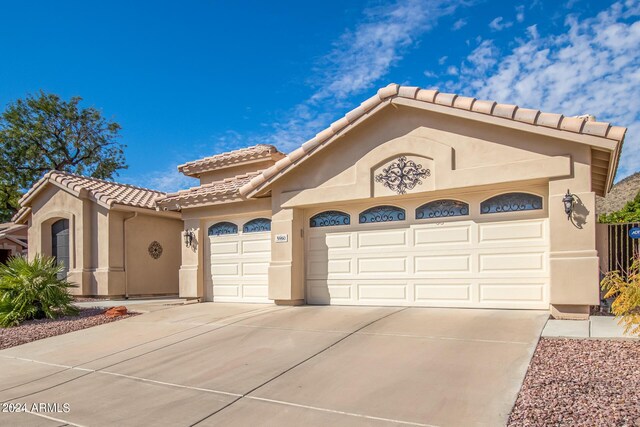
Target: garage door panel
<point>457,292</point>
<point>226,291</point>
<point>225,269</point>
<point>239,266</point>
<point>382,239</point>
<point>382,292</point>
<point>256,246</point>
<point>442,264</point>
<point>514,292</point>
<point>529,232</point>
<point>255,269</point>
<point>386,265</point>
<point>518,262</point>
<point>338,241</point>
<point>501,264</point>
<point>437,236</point>
<point>225,248</point>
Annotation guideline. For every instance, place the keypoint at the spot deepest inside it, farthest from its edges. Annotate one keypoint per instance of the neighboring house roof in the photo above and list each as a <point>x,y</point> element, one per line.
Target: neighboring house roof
<point>447,103</point>
<point>621,193</point>
<point>252,154</point>
<point>13,232</point>
<point>218,191</point>
<point>105,193</point>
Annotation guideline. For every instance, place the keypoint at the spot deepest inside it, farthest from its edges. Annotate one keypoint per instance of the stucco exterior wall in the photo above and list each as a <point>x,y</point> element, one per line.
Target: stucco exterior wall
<point>97,245</point>
<point>220,174</point>
<point>52,205</point>
<point>144,274</point>
<point>461,154</point>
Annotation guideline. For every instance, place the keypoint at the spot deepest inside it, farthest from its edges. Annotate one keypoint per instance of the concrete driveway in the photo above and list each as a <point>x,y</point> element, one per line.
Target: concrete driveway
<point>244,364</point>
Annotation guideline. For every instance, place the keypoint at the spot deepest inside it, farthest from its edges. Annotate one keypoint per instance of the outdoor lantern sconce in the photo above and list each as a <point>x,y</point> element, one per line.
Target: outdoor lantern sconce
<point>188,238</point>
<point>568,200</point>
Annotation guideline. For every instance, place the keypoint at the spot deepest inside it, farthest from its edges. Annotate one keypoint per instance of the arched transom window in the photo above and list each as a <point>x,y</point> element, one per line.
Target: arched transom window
<point>511,202</point>
<point>223,228</point>
<point>442,209</point>
<point>382,214</point>
<point>257,225</point>
<point>329,219</point>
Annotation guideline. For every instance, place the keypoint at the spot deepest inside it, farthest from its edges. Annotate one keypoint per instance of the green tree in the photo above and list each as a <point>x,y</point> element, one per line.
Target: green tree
<point>43,132</point>
<point>629,213</point>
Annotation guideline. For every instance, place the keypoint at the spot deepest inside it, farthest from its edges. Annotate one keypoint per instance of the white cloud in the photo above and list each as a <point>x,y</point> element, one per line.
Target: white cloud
<point>459,24</point>
<point>452,70</point>
<point>360,58</point>
<point>593,67</point>
<point>499,24</point>
<point>520,13</point>
<point>442,59</point>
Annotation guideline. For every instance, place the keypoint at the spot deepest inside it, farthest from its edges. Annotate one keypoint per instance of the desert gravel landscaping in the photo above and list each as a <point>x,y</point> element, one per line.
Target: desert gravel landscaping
<point>33,330</point>
<point>581,383</point>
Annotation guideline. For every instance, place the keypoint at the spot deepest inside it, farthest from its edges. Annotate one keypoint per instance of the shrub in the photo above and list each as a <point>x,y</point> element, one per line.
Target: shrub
<point>627,296</point>
<point>32,290</point>
<point>629,213</point>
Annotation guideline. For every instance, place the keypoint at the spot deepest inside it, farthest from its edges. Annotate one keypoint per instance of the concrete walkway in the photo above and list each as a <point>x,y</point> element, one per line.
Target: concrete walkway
<point>242,364</point>
<point>595,327</point>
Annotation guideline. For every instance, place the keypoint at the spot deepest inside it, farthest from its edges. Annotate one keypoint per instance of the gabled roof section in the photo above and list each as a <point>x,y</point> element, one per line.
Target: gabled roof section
<point>222,191</point>
<point>449,103</point>
<point>105,193</point>
<point>260,152</point>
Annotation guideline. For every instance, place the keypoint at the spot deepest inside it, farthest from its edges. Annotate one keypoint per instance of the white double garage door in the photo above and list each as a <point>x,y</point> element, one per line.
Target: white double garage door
<point>452,264</point>
<point>501,264</point>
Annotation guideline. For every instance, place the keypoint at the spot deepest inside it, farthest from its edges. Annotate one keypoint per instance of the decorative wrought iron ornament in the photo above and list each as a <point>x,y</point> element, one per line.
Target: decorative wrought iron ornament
<point>222,228</point>
<point>155,250</point>
<point>329,219</point>
<point>511,202</point>
<point>442,209</point>
<point>257,225</point>
<point>382,214</point>
<point>402,175</point>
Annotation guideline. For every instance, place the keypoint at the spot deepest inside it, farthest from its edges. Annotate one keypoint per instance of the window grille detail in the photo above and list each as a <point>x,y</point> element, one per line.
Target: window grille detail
<point>257,225</point>
<point>223,228</point>
<point>442,209</point>
<point>382,214</point>
<point>511,202</point>
<point>329,219</point>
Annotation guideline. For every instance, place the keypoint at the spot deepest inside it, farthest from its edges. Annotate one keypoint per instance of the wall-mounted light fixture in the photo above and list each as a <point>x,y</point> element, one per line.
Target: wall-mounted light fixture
<point>188,238</point>
<point>568,200</point>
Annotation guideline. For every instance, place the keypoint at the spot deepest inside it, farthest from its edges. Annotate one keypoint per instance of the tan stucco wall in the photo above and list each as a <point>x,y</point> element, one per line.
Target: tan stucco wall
<point>96,245</point>
<point>461,154</point>
<point>145,275</point>
<point>234,170</point>
<point>13,248</point>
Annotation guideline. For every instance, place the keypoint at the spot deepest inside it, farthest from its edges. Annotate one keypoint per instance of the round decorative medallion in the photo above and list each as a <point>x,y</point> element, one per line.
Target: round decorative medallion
<point>155,250</point>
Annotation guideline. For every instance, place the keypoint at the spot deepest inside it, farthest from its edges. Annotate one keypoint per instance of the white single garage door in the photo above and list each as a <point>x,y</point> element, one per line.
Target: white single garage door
<point>501,264</point>
<point>239,256</point>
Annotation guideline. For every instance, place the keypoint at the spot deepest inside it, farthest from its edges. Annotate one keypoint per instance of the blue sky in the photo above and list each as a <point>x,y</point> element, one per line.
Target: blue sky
<point>191,79</point>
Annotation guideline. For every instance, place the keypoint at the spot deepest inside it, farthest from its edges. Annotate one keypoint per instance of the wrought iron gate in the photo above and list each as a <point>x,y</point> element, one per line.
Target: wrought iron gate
<point>622,248</point>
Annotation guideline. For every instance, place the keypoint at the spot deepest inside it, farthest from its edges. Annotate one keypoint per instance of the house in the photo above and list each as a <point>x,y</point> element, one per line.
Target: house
<point>13,240</point>
<point>109,237</point>
<point>414,198</point>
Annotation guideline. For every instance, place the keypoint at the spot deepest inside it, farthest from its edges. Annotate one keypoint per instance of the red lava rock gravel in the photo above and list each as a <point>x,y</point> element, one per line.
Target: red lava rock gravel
<point>33,330</point>
<point>581,383</point>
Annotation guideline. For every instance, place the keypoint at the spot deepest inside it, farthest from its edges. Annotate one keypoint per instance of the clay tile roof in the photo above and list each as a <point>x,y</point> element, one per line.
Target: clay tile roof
<point>581,125</point>
<point>106,193</point>
<point>231,158</point>
<point>206,194</point>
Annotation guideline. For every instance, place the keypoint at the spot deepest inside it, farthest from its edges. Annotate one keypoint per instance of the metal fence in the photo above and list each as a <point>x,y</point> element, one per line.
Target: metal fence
<point>622,248</point>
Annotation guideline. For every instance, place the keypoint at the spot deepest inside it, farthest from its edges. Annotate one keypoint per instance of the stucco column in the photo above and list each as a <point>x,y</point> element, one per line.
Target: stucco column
<point>573,256</point>
<point>191,271</point>
<point>286,270</point>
